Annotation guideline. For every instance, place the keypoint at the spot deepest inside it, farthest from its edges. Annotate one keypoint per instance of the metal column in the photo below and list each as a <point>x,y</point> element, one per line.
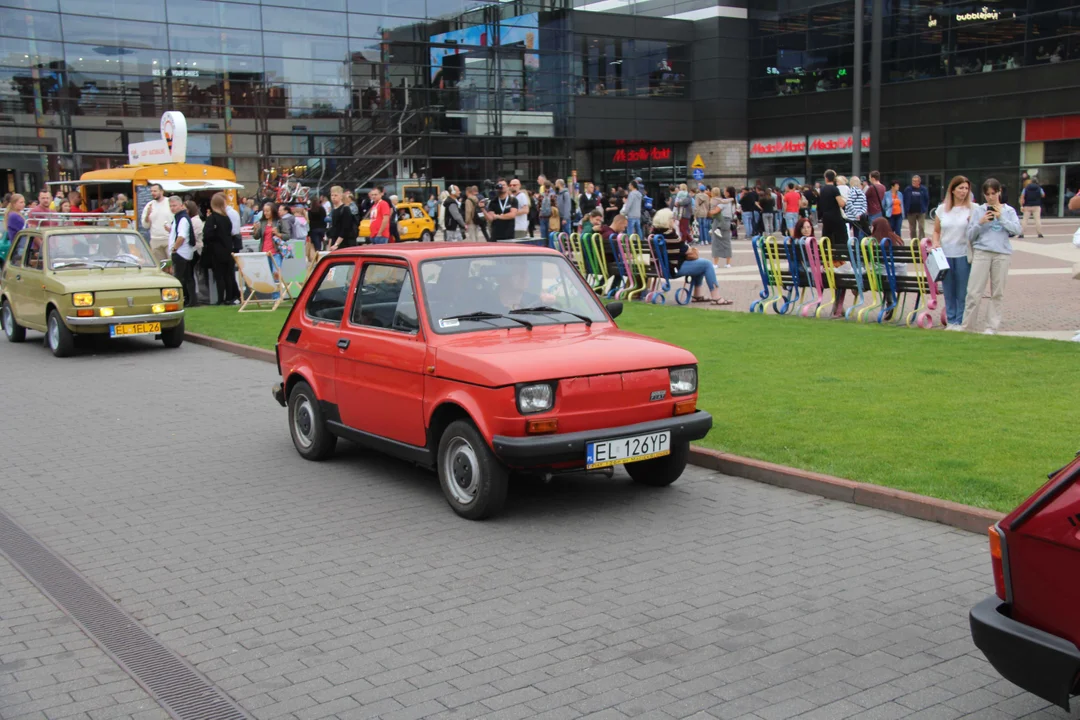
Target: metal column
<point>856,95</point>
<point>875,85</point>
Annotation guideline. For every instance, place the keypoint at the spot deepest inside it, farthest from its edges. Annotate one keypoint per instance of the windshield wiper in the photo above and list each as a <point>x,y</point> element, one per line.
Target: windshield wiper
<point>482,315</point>
<point>123,260</point>
<point>545,309</point>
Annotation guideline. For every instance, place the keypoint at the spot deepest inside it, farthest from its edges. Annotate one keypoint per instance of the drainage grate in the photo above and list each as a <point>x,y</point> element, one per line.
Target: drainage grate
<point>177,686</point>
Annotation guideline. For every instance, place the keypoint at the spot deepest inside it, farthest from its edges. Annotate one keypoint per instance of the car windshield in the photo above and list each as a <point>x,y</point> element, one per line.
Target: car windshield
<point>98,249</point>
<point>466,294</point>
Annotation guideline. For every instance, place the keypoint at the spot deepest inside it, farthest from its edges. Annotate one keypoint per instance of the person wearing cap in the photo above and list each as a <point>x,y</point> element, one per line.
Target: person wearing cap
<point>702,203</point>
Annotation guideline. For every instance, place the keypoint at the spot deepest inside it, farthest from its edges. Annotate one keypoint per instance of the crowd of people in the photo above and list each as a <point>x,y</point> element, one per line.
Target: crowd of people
<point>975,237</point>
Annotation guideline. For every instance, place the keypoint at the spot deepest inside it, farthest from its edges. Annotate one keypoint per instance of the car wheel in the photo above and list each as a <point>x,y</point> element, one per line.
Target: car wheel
<point>173,337</point>
<point>307,426</point>
<point>61,340</point>
<point>14,331</point>
<point>426,236</point>
<point>661,471</point>
<point>472,478</point>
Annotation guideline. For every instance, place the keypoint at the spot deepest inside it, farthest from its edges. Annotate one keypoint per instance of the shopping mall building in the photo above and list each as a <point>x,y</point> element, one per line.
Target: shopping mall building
<point>354,91</point>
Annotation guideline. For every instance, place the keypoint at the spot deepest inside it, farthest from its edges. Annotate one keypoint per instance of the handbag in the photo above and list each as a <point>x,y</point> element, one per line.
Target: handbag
<point>937,264</point>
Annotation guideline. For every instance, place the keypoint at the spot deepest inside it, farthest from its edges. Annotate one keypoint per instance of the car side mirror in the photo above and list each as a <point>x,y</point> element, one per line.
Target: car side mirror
<point>614,309</point>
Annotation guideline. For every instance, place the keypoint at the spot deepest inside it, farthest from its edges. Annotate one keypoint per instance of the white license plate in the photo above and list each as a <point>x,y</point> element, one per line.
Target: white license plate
<point>606,453</point>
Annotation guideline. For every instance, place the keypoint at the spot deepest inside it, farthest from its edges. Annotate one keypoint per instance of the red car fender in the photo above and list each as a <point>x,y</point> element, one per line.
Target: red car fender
<point>440,392</point>
<point>303,371</point>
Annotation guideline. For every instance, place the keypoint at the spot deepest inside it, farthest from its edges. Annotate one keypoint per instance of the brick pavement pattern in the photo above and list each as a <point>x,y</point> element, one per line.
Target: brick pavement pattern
<point>348,589</point>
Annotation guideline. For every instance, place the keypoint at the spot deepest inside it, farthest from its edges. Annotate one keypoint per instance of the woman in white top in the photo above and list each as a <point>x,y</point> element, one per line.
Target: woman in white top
<point>950,234</point>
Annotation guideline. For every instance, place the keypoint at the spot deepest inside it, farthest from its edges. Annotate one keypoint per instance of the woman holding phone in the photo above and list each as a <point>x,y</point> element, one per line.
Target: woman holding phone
<point>989,230</point>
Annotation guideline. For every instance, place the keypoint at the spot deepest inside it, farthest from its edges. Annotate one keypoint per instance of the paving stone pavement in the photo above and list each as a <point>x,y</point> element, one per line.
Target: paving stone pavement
<point>348,589</point>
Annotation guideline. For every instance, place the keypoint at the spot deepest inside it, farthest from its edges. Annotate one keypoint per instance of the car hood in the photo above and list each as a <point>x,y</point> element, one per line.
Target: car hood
<point>505,357</point>
<point>110,279</point>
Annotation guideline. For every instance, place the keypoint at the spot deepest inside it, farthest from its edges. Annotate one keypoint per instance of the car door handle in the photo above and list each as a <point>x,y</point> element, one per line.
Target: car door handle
<point>18,277</point>
<point>343,343</point>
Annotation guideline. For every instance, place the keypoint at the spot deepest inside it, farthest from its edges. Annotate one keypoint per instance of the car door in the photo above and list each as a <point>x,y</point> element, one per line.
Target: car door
<point>406,227</point>
<point>13,275</point>
<point>30,309</point>
<point>381,368</point>
<point>316,335</point>
<point>421,221</point>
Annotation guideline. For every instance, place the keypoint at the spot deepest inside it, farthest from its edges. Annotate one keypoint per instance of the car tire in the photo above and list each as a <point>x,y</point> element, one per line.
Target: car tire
<point>426,236</point>
<point>60,339</point>
<point>661,471</point>
<point>307,426</point>
<point>472,478</point>
<point>173,337</point>
<point>14,332</point>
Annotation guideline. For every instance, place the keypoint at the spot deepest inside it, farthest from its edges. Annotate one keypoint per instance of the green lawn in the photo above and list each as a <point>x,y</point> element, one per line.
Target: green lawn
<point>974,419</point>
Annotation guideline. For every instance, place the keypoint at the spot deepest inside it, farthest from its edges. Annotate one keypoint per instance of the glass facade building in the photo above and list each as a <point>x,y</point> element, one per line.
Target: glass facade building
<point>348,91</point>
<point>811,50</point>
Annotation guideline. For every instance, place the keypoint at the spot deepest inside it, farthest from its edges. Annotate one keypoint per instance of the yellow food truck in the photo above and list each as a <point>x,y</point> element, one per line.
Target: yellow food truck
<point>160,162</point>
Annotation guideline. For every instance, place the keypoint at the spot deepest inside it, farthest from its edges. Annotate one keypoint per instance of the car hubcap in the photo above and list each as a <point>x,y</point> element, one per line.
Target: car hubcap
<point>304,422</point>
<point>54,333</point>
<point>462,470</point>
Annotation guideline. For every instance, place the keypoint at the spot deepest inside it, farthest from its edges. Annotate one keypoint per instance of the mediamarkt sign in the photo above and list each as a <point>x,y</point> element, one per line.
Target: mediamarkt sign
<point>171,148</point>
<point>800,145</point>
<point>835,143</point>
<point>778,147</point>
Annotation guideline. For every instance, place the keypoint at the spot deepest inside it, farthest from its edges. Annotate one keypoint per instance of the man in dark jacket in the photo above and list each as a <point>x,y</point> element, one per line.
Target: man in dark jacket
<point>344,226</point>
<point>590,200</point>
<point>917,202</point>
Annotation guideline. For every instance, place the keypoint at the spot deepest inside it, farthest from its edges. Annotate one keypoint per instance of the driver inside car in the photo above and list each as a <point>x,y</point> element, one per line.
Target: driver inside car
<point>512,280</point>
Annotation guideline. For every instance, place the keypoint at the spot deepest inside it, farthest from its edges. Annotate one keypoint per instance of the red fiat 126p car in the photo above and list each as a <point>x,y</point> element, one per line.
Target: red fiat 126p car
<point>1030,630</point>
<point>480,360</point>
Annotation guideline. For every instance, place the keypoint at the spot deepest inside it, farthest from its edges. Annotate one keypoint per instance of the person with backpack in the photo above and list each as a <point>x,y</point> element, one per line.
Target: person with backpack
<point>1031,202</point>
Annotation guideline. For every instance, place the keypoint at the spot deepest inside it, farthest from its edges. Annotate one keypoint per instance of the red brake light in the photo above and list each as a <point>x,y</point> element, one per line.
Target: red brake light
<point>997,562</point>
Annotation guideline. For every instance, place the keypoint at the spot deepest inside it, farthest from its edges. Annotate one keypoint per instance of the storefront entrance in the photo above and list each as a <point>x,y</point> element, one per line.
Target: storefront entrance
<point>659,165</point>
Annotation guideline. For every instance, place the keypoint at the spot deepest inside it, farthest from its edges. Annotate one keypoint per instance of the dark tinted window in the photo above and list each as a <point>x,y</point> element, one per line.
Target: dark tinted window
<point>327,303</point>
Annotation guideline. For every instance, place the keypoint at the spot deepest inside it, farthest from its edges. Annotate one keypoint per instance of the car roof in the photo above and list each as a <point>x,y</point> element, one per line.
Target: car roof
<point>427,251</point>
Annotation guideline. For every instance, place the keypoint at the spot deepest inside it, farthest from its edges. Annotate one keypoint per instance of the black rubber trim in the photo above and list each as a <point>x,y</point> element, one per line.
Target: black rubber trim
<point>411,453</point>
<point>544,450</point>
<point>278,391</point>
<point>1043,664</point>
<point>330,411</point>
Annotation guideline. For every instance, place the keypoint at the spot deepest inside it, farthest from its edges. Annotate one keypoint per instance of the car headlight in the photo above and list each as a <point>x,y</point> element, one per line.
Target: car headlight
<point>683,380</point>
<point>82,299</point>
<point>170,294</point>
<point>535,398</point>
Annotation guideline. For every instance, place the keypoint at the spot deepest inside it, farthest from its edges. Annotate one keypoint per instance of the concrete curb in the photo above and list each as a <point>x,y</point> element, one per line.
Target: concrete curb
<point>963,517</point>
<point>955,515</point>
<point>247,351</point>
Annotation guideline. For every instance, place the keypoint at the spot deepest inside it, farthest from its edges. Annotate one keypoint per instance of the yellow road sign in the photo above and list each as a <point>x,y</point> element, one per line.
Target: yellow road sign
<point>698,163</point>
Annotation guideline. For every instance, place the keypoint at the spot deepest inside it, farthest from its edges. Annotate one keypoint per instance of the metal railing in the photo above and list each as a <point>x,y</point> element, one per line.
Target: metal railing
<point>88,219</point>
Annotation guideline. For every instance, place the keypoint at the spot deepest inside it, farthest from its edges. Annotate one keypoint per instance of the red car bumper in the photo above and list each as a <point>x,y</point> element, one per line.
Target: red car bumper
<point>1043,664</point>
<point>537,451</point>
